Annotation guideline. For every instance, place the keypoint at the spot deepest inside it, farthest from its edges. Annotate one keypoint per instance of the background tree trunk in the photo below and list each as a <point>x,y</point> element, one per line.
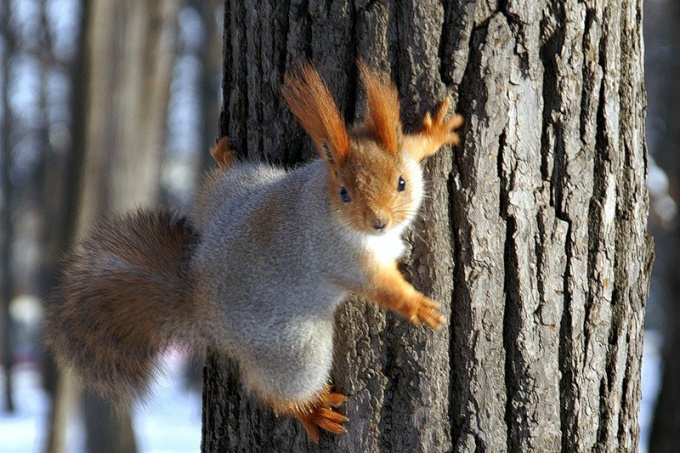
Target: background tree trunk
<point>210,55</point>
<point>129,55</point>
<point>7,288</point>
<point>533,236</point>
<point>662,65</point>
<point>123,156</point>
<point>6,321</point>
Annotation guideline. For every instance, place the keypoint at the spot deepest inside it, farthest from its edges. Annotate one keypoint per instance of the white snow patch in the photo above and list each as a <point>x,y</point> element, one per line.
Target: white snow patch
<point>169,422</point>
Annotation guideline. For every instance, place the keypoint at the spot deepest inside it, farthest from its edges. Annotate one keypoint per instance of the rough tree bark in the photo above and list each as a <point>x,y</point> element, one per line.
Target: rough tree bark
<point>533,237</point>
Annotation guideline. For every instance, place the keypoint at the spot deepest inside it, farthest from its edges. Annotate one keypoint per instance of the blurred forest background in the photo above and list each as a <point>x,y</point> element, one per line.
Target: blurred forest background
<point>104,106</point>
<point>108,105</point>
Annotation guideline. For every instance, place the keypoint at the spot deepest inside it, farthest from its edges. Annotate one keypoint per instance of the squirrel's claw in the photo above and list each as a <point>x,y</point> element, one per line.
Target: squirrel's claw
<point>441,111</point>
<point>333,399</point>
<point>331,421</point>
<point>427,122</point>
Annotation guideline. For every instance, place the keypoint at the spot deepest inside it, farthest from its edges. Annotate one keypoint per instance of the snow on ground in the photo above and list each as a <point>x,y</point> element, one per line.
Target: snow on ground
<point>169,422</point>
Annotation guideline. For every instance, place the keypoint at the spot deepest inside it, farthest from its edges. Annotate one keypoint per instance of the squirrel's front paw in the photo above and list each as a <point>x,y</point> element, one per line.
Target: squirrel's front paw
<point>438,129</point>
<point>424,310</point>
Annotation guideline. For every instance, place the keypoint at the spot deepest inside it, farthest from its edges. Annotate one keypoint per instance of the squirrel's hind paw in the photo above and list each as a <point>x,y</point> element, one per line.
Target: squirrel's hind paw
<point>324,418</point>
<point>320,413</point>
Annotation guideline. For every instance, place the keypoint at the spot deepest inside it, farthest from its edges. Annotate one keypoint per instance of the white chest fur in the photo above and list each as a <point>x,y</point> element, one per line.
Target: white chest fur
<point>387,247</point>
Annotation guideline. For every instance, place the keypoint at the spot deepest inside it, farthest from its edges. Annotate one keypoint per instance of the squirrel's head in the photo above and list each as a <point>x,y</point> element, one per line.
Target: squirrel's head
<point>374,184</point>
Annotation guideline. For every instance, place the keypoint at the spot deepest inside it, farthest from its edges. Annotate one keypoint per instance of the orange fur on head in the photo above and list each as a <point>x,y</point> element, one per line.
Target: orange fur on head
<point>313,105</point>
<point>383,105</point>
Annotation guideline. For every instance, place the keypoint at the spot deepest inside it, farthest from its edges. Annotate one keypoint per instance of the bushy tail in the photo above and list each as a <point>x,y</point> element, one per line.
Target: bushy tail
<point>126,294</point>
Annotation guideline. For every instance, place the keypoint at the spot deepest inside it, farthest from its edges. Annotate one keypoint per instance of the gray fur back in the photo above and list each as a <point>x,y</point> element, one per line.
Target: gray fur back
<point>270,259</point>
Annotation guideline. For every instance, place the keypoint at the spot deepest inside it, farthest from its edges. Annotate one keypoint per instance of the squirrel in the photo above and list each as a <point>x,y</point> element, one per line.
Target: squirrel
<point>267,258</point>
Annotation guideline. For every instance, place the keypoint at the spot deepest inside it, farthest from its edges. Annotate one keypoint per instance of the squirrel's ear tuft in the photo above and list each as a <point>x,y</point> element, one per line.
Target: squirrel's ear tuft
<point>383,119</point>
<point>312,103</point>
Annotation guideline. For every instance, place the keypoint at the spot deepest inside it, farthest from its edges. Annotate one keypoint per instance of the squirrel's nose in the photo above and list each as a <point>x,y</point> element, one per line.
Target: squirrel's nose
<point>380,221</point>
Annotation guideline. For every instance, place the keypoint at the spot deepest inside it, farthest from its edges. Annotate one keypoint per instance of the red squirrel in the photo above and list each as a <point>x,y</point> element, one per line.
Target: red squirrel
<point>259,270</point>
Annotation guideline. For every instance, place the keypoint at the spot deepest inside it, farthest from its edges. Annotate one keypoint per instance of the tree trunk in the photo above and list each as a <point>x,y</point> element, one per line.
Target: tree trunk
<point>533,237</point>
<point>58,383</point>
<point>129,53</point>
<point>7,288</point>
<point>210,55</point>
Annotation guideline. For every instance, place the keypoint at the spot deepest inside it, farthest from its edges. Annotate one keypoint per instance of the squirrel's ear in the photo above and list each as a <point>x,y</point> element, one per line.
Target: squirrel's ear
<point>313,105</point>
<point>383,119</point>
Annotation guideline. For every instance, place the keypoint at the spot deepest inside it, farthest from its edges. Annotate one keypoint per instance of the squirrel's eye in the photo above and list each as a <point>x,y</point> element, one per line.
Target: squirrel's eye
<point>402,184</point>
<point>344,195</point>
